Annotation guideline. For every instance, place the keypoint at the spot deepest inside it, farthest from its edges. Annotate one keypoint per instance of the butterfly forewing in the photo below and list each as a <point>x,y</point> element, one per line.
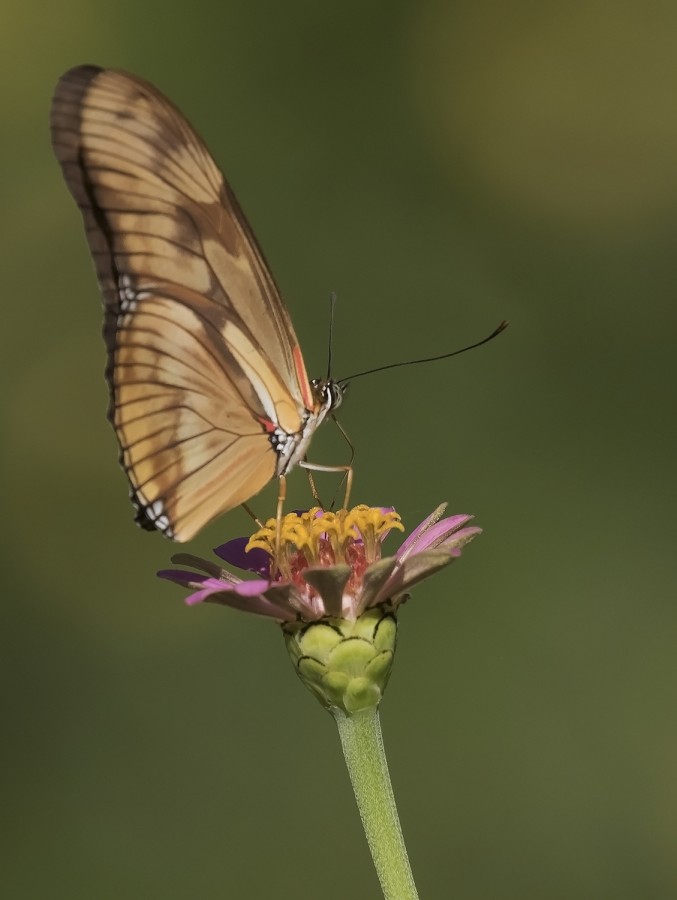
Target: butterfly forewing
<point>203,360</point>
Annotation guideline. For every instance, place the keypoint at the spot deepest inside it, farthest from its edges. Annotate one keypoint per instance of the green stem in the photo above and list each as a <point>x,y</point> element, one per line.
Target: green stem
<point>365,757</point>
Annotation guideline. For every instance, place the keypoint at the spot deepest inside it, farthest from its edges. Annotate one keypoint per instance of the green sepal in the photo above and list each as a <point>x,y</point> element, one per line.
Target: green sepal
<point>345,663</point>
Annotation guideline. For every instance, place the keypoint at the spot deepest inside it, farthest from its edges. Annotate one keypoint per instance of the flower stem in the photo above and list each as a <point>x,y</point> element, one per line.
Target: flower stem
<point>365,757</point>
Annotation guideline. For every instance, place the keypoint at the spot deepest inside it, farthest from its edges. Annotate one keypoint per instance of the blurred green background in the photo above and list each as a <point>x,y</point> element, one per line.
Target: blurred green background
<point>441,166</point>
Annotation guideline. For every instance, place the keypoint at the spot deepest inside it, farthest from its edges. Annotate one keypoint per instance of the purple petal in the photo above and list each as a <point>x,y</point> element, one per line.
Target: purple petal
<point>255,560</point>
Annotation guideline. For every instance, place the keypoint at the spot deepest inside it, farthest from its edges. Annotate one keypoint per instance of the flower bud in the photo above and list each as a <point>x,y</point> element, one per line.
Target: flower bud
<point>345,663</point>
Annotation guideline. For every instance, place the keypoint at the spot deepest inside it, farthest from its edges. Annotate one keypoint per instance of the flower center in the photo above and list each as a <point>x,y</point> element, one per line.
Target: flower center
<point>320,538</point>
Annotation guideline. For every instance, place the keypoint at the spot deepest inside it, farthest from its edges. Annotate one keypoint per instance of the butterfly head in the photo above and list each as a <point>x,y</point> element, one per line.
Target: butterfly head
<point>328,393</point>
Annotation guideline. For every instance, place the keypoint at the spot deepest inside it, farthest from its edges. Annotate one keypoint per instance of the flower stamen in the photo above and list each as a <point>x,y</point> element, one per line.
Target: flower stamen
<point>324,538</point>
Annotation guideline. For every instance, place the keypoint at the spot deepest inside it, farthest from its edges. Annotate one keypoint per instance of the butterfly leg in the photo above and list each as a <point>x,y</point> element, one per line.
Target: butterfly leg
<point>281,497</point>
<point>313,489</point>
<point>252,515</point>
<point>347,474</point>
<point>349,468</point>
<point>349,486</point>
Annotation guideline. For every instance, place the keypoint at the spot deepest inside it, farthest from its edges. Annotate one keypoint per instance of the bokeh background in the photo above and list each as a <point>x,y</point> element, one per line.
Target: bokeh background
<point>441,165</point>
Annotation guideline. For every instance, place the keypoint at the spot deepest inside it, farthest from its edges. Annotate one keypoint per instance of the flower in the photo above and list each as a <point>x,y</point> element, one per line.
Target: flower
<point>324,564</point>
<point>321,575</point>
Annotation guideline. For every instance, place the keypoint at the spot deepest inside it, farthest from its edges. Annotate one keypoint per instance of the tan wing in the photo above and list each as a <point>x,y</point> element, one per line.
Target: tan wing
<point>194,323</point>
<point>189,443</point>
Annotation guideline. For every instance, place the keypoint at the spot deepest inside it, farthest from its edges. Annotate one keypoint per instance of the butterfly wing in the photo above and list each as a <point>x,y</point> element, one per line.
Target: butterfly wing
<point>203,362</point>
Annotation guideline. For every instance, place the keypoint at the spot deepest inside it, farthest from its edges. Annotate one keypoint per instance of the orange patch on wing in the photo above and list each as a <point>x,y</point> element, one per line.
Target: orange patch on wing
<point>302,376</point>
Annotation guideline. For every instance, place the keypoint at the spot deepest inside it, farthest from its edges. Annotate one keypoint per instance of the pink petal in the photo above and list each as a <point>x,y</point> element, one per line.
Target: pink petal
<point>248,596</point>
<point>434,516</point>
<point>456,541</point>
<point>413,569</point>
<point>430,534</point>
<point>211,586</point>
<point>252,588</point>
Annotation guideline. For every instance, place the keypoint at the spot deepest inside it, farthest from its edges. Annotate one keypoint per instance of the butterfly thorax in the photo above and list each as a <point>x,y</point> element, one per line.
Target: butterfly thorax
<point>291,448</point>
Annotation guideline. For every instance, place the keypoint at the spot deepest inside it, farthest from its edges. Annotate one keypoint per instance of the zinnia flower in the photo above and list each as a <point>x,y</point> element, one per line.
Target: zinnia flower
<point>324,579</point>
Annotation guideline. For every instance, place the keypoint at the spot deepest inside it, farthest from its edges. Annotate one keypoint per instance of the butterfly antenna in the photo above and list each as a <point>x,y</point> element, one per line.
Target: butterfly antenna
<point>427,359</point>
<point>332,305</point>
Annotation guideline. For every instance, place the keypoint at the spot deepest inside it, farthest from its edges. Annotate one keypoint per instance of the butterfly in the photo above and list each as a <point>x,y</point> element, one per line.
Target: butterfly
<point>209,395</point>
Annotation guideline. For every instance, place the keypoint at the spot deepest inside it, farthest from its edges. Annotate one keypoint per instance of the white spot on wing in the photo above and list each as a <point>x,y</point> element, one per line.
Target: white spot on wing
<point>129,296</point>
